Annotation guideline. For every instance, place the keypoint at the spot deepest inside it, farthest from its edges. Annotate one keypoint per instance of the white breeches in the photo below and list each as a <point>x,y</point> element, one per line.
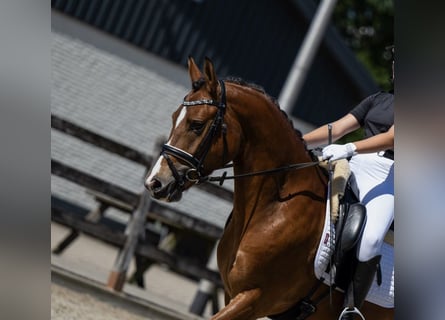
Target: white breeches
<point>375,179</point>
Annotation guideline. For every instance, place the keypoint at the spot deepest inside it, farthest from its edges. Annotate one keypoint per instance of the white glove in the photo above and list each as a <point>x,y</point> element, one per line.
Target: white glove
<point>334,152</point>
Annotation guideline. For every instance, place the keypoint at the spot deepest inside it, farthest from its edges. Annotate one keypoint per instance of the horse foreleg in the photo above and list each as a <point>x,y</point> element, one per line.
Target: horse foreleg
<point>240,307</point>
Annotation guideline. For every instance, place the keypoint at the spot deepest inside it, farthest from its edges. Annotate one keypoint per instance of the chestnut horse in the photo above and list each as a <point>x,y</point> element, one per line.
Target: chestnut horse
<point>266,253</point>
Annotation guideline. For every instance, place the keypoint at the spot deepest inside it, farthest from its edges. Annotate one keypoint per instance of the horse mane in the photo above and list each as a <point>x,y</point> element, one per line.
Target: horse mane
<point>260,89</point>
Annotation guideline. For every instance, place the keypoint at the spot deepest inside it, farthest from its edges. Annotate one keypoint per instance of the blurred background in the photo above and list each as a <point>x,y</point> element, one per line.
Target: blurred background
<point>118,71</point>
<point>31,38</point>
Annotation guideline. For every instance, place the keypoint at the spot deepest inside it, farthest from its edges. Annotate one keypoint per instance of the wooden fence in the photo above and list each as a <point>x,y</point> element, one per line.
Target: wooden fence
<point>138,238</point>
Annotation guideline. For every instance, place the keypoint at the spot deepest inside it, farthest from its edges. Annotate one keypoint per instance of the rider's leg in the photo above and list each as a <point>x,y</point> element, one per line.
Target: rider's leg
<point>361,283</point>
<point>377,194</point>
<point>375,180</point>
<point>380,214</point>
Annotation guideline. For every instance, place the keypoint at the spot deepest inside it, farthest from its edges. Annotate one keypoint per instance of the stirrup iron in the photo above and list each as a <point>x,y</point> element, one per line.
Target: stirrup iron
<point>349,310</point>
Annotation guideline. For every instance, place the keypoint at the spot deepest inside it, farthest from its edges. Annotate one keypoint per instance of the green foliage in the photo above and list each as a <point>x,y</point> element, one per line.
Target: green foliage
<point>367,27</point>
<point>356,135</point>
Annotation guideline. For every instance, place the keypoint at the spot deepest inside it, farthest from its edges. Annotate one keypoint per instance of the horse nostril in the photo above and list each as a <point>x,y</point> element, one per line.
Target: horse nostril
<point>153,185</point>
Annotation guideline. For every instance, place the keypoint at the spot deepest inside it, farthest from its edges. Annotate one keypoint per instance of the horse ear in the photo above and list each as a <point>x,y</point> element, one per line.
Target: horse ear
<point>210,75</point>
<point>194,72</point>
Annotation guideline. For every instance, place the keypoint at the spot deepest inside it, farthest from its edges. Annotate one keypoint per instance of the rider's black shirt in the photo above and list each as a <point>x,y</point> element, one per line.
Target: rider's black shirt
<point>375,113</point>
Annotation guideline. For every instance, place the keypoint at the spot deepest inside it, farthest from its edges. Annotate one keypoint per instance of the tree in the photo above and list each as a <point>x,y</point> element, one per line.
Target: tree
<point>367,27</point>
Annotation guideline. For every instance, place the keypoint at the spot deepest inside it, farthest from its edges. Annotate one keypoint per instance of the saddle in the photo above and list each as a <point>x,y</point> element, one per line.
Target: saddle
<point>348,216</point>
<point>348,229</point>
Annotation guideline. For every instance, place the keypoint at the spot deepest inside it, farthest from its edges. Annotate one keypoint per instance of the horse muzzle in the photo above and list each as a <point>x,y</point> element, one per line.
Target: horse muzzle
<point>167,182</point>
<point>165,190</point>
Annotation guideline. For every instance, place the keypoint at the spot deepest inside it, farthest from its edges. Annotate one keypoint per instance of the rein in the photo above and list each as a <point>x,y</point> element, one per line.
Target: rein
<point>224,176</point>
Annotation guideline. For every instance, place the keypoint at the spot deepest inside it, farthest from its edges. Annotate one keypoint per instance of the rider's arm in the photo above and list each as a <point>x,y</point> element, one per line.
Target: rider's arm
<point>340,127</point>
<point>382,141</point>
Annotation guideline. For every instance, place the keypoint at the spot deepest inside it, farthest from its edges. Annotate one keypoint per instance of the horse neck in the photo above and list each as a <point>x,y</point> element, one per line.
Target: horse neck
<point>269,141</point>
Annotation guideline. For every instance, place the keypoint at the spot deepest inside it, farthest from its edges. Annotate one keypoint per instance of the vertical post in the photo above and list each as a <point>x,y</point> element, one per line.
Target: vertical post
<point>206,290</point>
<point>303,61</point>
<point>135,229</point>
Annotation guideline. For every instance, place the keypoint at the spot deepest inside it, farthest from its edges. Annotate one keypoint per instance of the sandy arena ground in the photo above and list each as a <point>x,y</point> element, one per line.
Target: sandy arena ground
<point>93,260</point>
<point>166,292</point>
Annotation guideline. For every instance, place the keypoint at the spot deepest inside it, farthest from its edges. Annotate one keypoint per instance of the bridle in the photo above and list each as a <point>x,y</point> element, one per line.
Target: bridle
<point>195,174</point>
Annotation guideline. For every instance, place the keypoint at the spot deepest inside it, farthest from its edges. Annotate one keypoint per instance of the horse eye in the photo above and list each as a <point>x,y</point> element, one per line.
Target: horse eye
<point>197,127</point>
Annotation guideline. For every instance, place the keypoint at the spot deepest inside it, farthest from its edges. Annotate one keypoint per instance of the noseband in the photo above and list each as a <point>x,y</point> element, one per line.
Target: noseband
<point>195,173</point>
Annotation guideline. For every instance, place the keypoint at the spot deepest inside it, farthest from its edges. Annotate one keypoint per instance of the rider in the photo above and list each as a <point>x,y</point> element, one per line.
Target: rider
<point>372,162</point>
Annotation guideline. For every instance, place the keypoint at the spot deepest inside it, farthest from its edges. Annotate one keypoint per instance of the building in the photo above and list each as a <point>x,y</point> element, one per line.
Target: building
<point>119,68</point>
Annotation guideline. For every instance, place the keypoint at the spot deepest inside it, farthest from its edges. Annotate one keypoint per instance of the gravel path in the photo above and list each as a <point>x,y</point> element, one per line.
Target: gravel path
<point>70,304</point>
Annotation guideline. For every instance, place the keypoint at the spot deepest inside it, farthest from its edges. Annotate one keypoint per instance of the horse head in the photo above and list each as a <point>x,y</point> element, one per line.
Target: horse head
<point>199,139</point>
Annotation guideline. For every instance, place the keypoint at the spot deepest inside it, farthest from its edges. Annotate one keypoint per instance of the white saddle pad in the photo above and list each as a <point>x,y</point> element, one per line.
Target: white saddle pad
<point>382,295</point>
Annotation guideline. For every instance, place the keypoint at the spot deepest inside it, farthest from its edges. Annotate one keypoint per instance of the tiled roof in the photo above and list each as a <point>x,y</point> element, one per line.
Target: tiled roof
<point>122,101</point>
